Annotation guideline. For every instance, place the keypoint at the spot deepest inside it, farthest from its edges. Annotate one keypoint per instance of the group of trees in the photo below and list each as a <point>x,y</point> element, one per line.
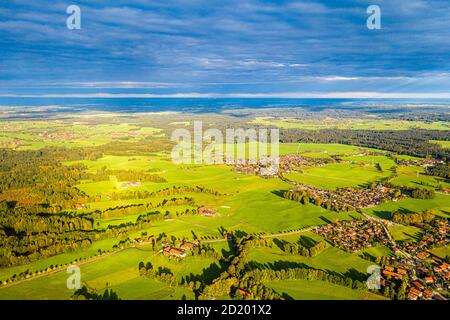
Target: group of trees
<point>125,175</point>
<point>235,280</point>
<point>421,193</point>
<point>26,237</point>
<point>299,248</point>
<point>139,208</point>
<point>306,196</point>
<point>88,294</point>
<point>142,194</point>
<point>413,218</point>
<point>306,274</point>
<point>39,177</point>
<point>161,273</point>
<point>440,170</point>
<point>411,142</point>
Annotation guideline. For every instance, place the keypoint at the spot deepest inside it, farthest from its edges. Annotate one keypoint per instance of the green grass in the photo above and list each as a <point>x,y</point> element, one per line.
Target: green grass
<point>405,233</point>
<point>338,175</point>
<point>440,205</point>
<point>58,259</point>
<point>442,143</point>
<point>379,251</point>
<point>414,176</point>
<point>331,259</point>
<point>318,290</point>
<point>118,272</point>
<point>441,252</point>
<point>250,204</point>
<point>354,124</point>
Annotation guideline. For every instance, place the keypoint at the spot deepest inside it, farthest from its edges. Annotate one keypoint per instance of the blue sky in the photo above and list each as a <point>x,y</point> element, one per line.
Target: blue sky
<point>231,48</point>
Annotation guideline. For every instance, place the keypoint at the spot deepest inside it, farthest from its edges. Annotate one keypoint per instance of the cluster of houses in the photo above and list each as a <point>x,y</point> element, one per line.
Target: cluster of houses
<point>128,134</point>
<point>264,168</point>
<point>354,235</point>
<point>293,162</point>
<point>206,211</point>
<point>285,164</point>
<point>427,275</point>
<point>130,184</point>
<point>419,162</point>
<point>12,143</point>
<point>55,136</point>
<point>353,197</point>
<point>435,236</point>
<point>172,251</point>
<point>10,128</point>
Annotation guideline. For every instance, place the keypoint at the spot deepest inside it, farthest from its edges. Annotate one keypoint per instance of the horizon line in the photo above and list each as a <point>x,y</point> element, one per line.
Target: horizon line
<point>286,95</point>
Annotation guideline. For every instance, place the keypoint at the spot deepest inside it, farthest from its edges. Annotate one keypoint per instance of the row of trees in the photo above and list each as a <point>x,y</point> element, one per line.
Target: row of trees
<point>440,170</point>
<point>139,208</point>
<point>88,294</point>
<point>306,274</point>
<point>142,194</point>
<point>125,175</point>
<point>411,142</point>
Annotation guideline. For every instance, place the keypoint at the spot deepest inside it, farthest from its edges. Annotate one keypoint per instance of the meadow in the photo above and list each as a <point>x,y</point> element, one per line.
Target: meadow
<point>350,123</point>
<point>244,204</point>
<point>318,290</point>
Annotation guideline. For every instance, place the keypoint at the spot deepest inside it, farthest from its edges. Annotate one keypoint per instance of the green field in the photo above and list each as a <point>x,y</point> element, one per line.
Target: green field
<point>118,272</point>
<point>318,290</point>
<point>354,124</point>
<point>414,176</point>
<point>244,204</point>
<point>339,175</point>
<point>331,259</point>
<point>440,205</point>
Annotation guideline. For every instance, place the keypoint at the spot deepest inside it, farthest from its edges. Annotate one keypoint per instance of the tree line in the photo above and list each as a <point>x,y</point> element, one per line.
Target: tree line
<point>410,142</point>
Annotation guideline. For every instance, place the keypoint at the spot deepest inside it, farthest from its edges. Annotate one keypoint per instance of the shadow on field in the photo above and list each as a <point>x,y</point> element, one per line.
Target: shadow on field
<point>276,265</point>
<point>278,193</point>
<point>415,237</point>
<point>383,214</point>
<point>356,275</point>
<point>208,274</point>
<point>326,220</point>
<point>285,296</point>
<point>307,241</point>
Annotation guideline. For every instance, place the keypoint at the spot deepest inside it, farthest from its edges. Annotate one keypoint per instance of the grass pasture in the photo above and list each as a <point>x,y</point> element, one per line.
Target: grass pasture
<point>337,175</point>
<point>318,290</point>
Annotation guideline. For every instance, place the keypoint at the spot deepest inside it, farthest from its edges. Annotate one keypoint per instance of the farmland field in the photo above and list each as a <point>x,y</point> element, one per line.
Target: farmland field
<point>129,202</point>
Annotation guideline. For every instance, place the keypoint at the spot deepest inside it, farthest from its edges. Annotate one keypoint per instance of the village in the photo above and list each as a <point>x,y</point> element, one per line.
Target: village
<point>286,164</point>
<point>422,275</point>
<point>348,198</point>
<point>425,163</point>
<point>12,143</point>
<point>435,235</point>
<point>354,235</point>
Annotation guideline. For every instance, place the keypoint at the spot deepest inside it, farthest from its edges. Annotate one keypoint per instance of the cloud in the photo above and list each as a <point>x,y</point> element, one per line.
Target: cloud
<point>237,46</point>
